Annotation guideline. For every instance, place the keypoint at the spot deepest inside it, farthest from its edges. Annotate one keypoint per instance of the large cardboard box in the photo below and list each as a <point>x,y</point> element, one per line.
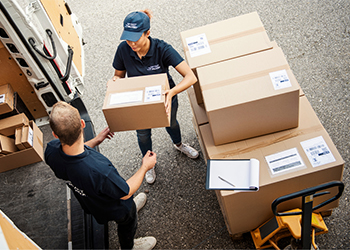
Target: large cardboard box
<point>27,156</point>
<point>8,125</point>
<point>304,157</point>
<point>6,99</point>
<point>250,96</point>
<point>136,103</point>
<point>223,40</point>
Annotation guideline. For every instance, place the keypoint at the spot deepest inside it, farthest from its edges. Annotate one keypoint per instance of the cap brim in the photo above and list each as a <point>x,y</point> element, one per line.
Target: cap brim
<point>131,36</point>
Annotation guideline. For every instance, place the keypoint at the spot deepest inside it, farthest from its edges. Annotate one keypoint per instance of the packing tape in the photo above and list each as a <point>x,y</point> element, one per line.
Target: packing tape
<point>230,81</point>
<point>266,143</point>
<point>231,36</point>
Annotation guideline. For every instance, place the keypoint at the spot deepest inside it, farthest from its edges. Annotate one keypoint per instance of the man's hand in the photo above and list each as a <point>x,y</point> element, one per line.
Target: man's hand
<point>105,133</point>
<point>149,160</point>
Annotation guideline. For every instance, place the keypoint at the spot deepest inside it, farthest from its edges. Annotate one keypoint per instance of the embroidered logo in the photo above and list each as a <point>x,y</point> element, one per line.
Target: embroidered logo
<point>154,67</point>
<point>131,25</point>
<point>77,190</point>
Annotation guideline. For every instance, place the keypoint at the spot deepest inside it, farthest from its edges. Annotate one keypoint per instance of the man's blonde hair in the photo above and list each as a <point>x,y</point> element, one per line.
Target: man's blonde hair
<point>65,122</point>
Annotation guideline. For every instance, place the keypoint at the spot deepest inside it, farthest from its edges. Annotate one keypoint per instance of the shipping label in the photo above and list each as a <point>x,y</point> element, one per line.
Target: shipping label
<point>126,97</point>
<point>2,98</point>
<point>30,136</point>
<point>198,45</point>
<point>284,161</point>
<point>317,151</point>
<point>280,79</point>
<point>153,93</point>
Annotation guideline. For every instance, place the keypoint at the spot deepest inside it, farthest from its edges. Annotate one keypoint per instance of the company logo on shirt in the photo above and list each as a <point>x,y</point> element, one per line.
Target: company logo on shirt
<point>154,67</point>
<point>131,25</point>
<point>77,190</point>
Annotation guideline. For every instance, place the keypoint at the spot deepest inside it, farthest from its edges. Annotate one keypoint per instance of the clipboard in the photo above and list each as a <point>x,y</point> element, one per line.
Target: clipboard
<point>233,174</point>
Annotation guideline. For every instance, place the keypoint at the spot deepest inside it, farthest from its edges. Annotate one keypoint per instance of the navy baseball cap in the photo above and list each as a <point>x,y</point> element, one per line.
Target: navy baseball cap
<point>134,25</point>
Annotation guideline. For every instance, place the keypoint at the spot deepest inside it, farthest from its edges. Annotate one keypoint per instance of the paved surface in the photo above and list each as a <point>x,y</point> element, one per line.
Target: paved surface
<point>180,213</point>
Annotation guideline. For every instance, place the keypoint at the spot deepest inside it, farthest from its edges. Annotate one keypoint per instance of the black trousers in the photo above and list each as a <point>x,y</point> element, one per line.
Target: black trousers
<point>127,228</point>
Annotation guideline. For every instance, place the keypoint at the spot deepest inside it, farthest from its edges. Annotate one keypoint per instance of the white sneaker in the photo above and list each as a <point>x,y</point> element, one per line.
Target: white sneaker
<point>140,200</point>
<point>145,243</point>
<point>151,176</point>
<point>187,150</point>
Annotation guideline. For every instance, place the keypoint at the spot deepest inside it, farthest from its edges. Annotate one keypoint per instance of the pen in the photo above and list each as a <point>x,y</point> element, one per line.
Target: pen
<point>226,181</point>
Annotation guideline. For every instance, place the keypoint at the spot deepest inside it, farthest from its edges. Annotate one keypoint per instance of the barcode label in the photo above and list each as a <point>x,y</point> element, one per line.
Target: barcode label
<point>2,98</point>
<point>198,45</point>
<point>284,161</point>
<point>317,151</point>
<point>280,79</point>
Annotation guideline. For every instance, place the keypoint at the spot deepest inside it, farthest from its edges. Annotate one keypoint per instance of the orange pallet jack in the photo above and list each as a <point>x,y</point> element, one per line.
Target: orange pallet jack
<point>302,224</point>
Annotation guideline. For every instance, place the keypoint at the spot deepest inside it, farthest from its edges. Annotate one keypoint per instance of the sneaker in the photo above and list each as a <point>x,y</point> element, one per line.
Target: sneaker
<point>145,243</point>
<point>187,150</point>
<point>140,201</point>
<point>151,176</point>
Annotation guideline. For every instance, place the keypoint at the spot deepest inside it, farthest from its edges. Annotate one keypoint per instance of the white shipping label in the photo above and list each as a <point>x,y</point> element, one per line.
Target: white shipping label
<point>280,79</point>
<point>126,97</point>
<point>317,151</point>
<point>30,136</point>
<point>284,161</point>
<point>2,98</point>
<point>153,93</point>
<point>198,45</point>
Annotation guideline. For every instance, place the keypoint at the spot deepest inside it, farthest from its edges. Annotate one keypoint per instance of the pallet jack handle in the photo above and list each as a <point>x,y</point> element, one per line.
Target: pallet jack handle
<point>307,206</point>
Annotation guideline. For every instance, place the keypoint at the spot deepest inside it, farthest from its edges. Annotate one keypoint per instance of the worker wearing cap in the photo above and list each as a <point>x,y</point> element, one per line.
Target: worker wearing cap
<point>141,55</point>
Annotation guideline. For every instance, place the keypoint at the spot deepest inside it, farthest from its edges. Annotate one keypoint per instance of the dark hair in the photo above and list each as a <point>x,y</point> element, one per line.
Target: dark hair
<point>148,12</point>
<point>65,122</point>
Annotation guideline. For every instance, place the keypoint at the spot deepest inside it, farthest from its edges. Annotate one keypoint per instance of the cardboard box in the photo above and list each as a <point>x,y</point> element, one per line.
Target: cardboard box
<point>18,107</point>
<point>136,103</point>
<point>18,139</point>
<point>27,138</point>
<point>198,110</point>
<point>7,145</point>
<point>8,125</point>
<point>250,96</point>
<point>6,99</point>
<point>246,211</point>
<point>26,156</point>
<point>223,40</point>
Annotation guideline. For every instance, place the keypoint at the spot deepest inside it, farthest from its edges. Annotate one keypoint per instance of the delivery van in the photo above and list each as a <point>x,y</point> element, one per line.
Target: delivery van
<point>41,63</point>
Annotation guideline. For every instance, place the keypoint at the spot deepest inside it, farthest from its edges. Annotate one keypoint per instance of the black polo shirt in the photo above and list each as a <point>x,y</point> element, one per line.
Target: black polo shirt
<point>160,56</point>
<point>94,180</point>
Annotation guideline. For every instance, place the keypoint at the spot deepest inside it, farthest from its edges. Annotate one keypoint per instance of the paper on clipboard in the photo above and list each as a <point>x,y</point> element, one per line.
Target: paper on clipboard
<point>226,174</point>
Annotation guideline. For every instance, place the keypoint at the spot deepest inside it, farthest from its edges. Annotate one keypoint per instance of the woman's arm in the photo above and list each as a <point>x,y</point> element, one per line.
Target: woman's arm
<point>188,80</point>
<point>118,74</point>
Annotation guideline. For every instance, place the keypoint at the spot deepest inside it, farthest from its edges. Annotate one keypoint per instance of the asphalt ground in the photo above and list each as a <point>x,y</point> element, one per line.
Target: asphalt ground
<point>180,212</point>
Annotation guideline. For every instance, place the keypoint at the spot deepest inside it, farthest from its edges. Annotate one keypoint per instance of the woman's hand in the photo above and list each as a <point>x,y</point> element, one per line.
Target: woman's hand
<point>168,99</point>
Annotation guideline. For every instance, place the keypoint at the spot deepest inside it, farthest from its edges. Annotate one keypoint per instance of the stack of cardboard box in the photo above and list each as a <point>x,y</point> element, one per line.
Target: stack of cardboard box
<point>21,142</point>
<point>248,104</point>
